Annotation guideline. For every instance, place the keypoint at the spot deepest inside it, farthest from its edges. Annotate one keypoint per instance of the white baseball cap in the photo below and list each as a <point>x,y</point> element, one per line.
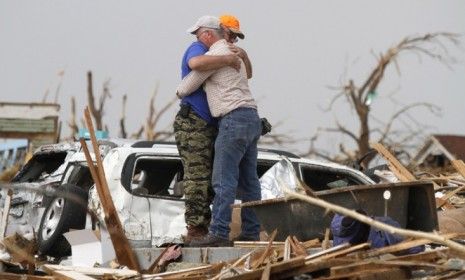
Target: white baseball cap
<point>205,21</point>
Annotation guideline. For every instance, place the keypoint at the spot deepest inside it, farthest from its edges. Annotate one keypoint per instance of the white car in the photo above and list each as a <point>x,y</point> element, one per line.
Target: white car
<point>145,182</point>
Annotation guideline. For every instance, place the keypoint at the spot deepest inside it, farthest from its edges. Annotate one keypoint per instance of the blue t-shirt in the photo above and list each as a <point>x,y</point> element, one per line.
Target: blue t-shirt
<point>198,99</point>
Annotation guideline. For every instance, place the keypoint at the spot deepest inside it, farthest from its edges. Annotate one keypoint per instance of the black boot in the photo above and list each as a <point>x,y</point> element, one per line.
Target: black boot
<point>211,241</point>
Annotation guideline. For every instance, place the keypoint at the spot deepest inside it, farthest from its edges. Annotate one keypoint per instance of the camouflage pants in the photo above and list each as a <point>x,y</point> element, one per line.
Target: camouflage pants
<point>195,140</point>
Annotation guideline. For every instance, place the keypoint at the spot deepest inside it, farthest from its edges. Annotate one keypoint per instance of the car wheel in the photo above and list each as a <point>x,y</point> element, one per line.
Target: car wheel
<point>67,210</point>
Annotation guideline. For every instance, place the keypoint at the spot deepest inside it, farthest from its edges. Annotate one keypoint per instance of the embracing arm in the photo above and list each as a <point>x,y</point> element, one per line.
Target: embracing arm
<point>243,55</point>
<point>192,82</point>
<point>214,62</point>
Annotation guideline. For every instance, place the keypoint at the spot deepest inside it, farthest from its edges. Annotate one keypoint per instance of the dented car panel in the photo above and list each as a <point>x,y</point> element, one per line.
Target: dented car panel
<point>44,170</point>
<point>157,219</point>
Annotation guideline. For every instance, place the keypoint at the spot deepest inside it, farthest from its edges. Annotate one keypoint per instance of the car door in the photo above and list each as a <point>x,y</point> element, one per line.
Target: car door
<point>156,197</point>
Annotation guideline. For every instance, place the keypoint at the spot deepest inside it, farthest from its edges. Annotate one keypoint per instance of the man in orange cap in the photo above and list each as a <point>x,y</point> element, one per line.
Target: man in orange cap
<point>195,128</point>
<point>233,31</point>
<point>235,160</point>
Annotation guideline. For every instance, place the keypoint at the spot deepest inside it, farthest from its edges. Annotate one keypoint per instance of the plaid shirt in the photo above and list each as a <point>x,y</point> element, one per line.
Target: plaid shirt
<point>226,88</point>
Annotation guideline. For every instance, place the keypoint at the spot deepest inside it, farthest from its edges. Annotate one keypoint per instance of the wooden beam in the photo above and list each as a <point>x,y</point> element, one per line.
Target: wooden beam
<point>312,268</point>
<point>91,271</point>
<point>256,263</point>
<point>255,244</point>
<point>284,266</point>
<point>459,165</point>
<point>327,251</point>
<point>6,213</point>
<point>394,165</point>
<point>378,274</point>
<point>266,273</point>
<point>123,249</point>
<point>381,264</point>
<point>183,273</point>
<point>404,245</point>
<point>341,252</point>
<point>429,256</point>
<point>14,276</point>
<point>71,275</point>
<point>403,174</point>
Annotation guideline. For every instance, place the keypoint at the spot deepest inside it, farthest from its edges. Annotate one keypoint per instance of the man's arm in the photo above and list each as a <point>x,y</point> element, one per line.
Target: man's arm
<point>192,82</point>
<point>210,62</point>
<point>243,55</point>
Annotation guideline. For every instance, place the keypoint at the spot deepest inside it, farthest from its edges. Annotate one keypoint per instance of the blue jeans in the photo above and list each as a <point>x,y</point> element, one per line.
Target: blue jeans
<point>235,169</point>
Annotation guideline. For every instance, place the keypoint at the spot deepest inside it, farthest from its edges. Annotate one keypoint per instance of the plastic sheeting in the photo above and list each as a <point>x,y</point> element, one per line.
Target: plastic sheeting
<point>279,176</point>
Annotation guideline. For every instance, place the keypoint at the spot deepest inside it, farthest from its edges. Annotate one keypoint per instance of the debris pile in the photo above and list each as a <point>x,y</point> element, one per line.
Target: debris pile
<point>316,258</point>
<point>282,260</point>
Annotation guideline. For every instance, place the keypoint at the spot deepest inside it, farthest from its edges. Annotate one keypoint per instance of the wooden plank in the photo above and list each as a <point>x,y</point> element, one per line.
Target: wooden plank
<point>315,267</point>
<point>429,256</point>
<point>5,213</point>
<point>311,243</point>
<point>325,244</point>
<point>71,275</point>
<point>446,197</point>
<point>235,264</point>
<point>450,275</point>
<point>28,125</point>
<point>16,110</point>
<point>341,252</point>
<point>403,246</point>
<point>287,249</point>
<point>403,174</point>
<point>266,273</point>
<point>123,249</point>
<point>90,271</point>
<point>179,274</point>
<point>378,264</point>
<point>394,165</point>
<point>297,248</point>
<point>256,263</point>
<point>377,274</point>
<point>254,244</point>
<point>14,276</point>
<point>328,251</point>
<point>284,266</point>
<point>459,165</point>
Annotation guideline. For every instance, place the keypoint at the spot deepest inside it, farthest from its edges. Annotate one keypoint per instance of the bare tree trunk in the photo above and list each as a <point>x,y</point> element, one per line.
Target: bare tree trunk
<point>72,123</point>
<point>97,113</point>
<point>122,127</point>
<point>360,98</point>
<point>364,136</point>
<point>91,102</point>
<point>153,118</point>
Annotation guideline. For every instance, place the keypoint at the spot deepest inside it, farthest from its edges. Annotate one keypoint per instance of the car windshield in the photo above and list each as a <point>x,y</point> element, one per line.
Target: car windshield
<point>40,166</point>
<point>323,178</point>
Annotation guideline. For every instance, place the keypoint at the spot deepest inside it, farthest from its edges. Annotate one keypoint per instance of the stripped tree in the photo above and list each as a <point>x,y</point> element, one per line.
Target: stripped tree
<point>153,119</point>
<point>72,122</point>
<point>122,126</point>
<point>97,111</point>
<point>359,96</point>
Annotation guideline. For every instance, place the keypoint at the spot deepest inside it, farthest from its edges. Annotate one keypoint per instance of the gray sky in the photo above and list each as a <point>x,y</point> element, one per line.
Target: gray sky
<point>297,48</point>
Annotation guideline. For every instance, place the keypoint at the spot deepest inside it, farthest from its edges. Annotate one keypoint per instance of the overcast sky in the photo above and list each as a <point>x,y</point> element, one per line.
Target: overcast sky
<point>297,48</point>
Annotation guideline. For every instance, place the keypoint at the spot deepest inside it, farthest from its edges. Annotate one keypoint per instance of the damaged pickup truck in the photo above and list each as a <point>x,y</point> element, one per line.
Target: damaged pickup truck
<point>145,182</point>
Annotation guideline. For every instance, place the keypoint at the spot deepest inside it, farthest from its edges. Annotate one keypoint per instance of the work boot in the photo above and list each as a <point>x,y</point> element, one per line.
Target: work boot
<point>242,237</point>
<point>211,240</point>
<point>194,233</point>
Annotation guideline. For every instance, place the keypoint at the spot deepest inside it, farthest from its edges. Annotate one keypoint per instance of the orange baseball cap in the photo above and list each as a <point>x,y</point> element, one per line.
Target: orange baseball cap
<point>232,23</point>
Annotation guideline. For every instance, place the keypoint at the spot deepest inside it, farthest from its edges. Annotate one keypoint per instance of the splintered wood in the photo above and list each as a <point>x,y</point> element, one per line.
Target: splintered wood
<point>404,175</point>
